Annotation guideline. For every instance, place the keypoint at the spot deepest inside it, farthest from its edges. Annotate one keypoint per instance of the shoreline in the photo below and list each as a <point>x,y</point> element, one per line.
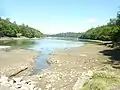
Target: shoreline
<point>15,66</point>
<point>66,66</point>
<point>15,61</point>
<point>8,38</point>
<point>13,38</point>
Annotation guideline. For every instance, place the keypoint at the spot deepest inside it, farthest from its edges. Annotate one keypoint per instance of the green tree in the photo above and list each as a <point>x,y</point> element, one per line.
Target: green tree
<point>9,29</point>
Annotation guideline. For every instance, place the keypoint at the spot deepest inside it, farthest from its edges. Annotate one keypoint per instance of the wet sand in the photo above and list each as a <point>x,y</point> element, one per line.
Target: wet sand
<point>66,66</point>
<point>14,61</point>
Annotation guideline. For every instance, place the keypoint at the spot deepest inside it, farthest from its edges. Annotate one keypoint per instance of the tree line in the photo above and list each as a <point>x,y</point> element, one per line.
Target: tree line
<point>9,29</point>
<point>68,34</point>
<point>108,32</point>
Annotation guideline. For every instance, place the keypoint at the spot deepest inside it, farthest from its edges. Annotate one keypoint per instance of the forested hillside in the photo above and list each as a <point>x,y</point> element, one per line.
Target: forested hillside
<point>68,34</point>
<point>108,32</point>
<point>9,29</point>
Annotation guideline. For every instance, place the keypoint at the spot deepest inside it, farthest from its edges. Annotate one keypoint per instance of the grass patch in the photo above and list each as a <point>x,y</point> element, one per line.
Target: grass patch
<point>102,80</point>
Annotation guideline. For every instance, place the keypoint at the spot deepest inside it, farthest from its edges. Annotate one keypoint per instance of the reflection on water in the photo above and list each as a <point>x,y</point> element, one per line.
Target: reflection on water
<point>45,46</point>
<point>22,43</point>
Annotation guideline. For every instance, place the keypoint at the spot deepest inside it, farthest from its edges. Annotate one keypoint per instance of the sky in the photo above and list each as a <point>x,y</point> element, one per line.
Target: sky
<point>57,16</point>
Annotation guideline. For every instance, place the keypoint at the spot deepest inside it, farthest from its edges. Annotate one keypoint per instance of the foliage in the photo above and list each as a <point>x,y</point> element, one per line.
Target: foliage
<point>9,29</point>
<point>102,80</point>
<point>108,32</point>
<point>68,34</point>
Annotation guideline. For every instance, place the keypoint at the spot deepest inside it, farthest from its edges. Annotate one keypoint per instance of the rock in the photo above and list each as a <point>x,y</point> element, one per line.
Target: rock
<point>57,61</point>
<point>82,80</point>
<point>25,87</point>
<point>17,80</point>
<point>48,86</point>
<point>17,84</point>
<point>11,82</point>
<point>4,80</point>
<point>90,73</point>
<point>39,89</point>
<point>60,65</point>
<point>83,55</point>
<point>84,68</point>
<point>53,89</point>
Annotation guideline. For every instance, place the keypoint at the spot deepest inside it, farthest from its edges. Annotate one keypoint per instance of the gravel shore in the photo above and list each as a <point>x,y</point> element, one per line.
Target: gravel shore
<point>15,61</point>
<point>68,67</point>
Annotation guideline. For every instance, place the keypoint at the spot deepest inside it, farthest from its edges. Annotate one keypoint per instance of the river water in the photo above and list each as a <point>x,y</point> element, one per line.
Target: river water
<point>45,46</point>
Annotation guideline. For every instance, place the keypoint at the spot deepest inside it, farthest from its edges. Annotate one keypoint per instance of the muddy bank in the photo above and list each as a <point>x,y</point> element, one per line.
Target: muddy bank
<point>17,84</point>
<point>66,66</point>
<point>15,61</point>
<point>68,69</point>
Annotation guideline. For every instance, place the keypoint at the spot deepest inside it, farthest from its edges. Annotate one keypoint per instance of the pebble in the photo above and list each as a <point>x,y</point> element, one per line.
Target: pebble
<point>48,86</point>
<point>82,80</point>
<point>17,84</point>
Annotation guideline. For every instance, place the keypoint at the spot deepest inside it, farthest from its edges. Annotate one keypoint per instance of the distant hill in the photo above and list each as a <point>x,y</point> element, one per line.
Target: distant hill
<point>68,34</point>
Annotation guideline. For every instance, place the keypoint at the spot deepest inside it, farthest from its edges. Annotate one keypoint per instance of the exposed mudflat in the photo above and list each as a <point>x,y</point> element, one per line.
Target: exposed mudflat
<point>13,61</point>
<point>69,69</point>
<point>67,66</point>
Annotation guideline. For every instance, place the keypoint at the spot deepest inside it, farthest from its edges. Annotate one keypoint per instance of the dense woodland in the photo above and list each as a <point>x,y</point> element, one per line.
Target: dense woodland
<point>108,32</point>
<point>9,29</point>
<point>68,34</point>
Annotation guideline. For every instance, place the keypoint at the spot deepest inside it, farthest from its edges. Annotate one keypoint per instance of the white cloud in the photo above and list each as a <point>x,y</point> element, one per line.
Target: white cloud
<point>92,20</point>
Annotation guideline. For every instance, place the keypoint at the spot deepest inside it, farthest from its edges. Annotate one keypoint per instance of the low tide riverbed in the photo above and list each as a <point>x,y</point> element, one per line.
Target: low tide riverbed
<point>45,47</point>
<point>69,60</point>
